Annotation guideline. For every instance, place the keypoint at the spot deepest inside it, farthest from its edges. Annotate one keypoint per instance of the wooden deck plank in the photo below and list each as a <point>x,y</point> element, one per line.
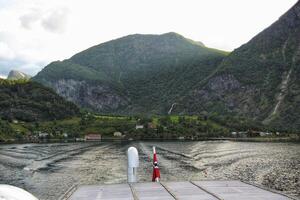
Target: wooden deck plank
<point>234,190</point>
<point>151,190</point>
<point>103,192</point>
<point>184,190</point>
<point>187,191</point>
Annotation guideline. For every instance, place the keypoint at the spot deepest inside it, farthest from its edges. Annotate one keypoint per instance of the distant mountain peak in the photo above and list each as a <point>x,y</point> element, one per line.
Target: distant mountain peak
<point>172,34</point>
<point>114,73</point>
<point>16,75</point>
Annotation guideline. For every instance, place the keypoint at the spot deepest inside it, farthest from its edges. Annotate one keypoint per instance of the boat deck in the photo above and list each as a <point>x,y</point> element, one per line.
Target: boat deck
<point>200,190</point>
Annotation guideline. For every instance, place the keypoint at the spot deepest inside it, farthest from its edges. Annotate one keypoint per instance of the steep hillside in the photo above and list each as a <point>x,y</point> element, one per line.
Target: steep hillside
<point>259,80</point>
<point>133,74</point>
<point>160,74</point>
<point>30,101</point>
<point>17,75</point>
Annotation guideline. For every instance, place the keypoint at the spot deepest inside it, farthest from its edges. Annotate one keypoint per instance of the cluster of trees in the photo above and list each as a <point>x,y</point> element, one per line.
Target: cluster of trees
<point>174,127</point>
<point>6,131</point>
<point>158,127</point>
<point>29,101</point>
<point>106,125</point>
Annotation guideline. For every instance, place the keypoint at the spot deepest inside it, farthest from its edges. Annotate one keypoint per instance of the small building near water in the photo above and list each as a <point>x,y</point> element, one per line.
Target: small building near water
<point>240,134</point>
<point>264,134</point>
<point>139,126</point>
<point>43,135</point>
<point>92,137</point>
<point>117,134</point>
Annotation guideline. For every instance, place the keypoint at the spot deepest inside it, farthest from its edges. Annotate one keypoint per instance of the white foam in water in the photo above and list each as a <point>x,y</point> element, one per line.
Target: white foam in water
<point>27,169</point>
<point>36,165</point>
<point>44,162</point>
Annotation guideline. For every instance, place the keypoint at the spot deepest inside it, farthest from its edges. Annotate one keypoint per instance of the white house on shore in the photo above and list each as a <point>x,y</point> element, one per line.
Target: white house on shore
<point>92,137</point>
<point>139,126</point>
<point>117,134</point>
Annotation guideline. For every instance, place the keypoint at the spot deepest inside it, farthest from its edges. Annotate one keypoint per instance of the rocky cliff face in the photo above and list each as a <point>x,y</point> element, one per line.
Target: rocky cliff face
<point>98,97</point>
<point>224,94</point>
<point>259,79</point>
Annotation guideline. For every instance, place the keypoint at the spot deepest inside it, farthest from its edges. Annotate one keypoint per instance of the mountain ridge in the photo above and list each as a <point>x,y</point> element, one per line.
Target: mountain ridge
<point>119,69</point>
<point>256,80</point>
<point>168,73</point>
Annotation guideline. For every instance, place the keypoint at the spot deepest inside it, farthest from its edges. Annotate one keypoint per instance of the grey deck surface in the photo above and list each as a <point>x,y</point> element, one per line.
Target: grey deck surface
<point>200,190</point>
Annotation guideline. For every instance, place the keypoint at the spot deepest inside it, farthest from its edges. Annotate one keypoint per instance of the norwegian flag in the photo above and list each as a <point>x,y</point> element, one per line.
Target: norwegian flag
<point>156,172</point>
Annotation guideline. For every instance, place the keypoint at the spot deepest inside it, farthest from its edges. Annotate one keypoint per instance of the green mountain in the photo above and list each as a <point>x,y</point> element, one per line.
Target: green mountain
<point>30,101</point>
<point>259,80</point>
<point>133,74</point>
<point>17,75</point>
<point>160,74</point>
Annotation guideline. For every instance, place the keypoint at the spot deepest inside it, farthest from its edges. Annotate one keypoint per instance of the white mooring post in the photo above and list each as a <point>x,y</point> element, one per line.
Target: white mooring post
<point>132,164</point>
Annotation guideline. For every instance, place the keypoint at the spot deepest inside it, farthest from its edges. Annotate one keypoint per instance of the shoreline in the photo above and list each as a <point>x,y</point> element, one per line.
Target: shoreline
<point>253,139</point>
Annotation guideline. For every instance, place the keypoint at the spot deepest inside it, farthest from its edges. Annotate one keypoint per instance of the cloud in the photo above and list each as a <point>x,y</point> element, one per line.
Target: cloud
<point>52,20</point>
<point>6,3</point>
<point>14,54</point>
<point>6,49</point>
<point>18,64</point>
<point>56,20</point>
<point>6,52</point>
<point>28,19</point>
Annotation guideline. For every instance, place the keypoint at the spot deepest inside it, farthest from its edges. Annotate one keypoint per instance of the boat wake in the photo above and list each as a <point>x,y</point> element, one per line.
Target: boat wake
<point>47,161</point>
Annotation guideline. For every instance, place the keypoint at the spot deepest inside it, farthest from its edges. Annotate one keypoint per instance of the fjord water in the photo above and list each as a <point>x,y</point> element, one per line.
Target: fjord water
<point>49,170</point>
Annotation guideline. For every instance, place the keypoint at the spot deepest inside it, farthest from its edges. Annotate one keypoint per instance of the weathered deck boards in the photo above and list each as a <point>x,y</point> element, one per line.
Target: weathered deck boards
<point>200,190</point>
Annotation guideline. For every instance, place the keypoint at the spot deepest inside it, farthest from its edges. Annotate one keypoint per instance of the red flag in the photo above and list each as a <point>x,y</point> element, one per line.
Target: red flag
<point>156,172</point>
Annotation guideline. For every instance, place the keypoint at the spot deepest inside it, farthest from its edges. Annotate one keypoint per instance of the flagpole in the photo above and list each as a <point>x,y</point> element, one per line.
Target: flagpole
<point>156,172</point>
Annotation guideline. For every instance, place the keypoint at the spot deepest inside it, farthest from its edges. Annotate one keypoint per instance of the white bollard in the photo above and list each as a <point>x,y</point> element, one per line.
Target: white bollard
<point>8,192</point>
<point>132,164</point>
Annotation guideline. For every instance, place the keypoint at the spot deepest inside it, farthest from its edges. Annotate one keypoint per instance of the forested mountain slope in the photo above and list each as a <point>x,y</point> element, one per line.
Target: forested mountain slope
<point>160,74</point>
<point>133,74</point>
<point>29,101</point>
<point>260,80</point>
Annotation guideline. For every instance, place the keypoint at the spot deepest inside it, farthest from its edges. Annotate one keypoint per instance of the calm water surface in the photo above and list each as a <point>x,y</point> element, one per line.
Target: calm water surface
<point>48,170</point>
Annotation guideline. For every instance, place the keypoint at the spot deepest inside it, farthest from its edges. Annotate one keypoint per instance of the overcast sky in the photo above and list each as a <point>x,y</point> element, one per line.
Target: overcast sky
<point>36,32</point>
